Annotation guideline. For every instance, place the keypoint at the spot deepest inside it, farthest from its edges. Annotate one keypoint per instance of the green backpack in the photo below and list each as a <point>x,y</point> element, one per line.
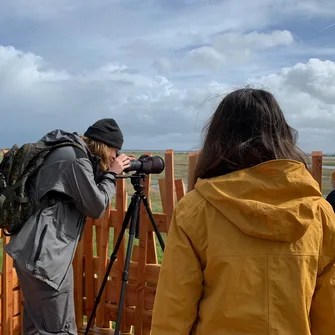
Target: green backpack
<point>16,167</point>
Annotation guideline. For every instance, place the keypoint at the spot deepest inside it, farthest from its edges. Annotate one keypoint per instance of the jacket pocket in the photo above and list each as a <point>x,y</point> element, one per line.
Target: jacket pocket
<point>40,244</point>
<point>71,223</point>
<point>71,230</point>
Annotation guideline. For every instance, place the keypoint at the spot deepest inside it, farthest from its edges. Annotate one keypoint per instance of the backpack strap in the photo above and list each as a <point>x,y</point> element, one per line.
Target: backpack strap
<point>9,192</point>
<point>6,193</point>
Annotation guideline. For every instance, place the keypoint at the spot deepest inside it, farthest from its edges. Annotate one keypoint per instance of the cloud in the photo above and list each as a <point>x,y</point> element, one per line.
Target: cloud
<point>306,92</point>
<point>90,33</point>
<point>252,41</point>
<point>160,67</point>
<point>205,58</point>
<point>225,49</point>
<point>153,111</point>
<point>38,99</point>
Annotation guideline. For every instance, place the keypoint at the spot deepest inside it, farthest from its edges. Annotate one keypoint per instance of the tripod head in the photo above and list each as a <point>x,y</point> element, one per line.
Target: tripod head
<point>135,180</point>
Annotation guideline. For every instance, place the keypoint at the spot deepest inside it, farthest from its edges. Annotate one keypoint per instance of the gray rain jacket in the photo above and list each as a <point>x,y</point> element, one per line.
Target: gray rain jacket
<point>46,245</point>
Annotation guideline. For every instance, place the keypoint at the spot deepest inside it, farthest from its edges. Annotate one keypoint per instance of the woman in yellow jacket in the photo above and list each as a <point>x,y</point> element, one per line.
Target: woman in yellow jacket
<point>251,249</point>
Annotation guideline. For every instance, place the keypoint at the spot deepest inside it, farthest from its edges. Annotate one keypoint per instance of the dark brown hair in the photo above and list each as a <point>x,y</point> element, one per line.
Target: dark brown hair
<point>247,128</point>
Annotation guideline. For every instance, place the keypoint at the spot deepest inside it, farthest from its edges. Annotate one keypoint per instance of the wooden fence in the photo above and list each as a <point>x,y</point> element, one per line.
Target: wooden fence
<point>93,254</point>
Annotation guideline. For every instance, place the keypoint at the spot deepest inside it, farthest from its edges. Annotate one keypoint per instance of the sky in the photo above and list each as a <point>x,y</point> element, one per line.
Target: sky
<point>160,67</point>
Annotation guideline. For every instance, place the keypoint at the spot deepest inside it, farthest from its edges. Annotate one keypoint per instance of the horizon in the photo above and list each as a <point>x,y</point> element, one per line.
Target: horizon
<point>192,150</point>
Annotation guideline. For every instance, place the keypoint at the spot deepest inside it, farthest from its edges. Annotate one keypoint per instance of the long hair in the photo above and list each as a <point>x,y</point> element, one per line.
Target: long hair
<point>99,149</point>
<point>247,128</point>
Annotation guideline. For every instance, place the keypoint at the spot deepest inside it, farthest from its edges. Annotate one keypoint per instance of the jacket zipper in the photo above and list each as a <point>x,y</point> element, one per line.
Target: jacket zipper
<point>39,248</point>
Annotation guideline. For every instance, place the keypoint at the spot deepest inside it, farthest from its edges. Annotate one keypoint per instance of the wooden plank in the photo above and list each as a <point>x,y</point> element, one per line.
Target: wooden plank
<point>130,295</point>
<point>89,266</point>
<point>111,311</point>
<point>16,325</point>
<point>192,162</point>
<point>151,270</point>
<point>180,189</point>
<point>97,331</point>
<point>78,270</point>
<point>169,186</point>
<point>22,311</point>
<point>317,167</point>
<point>152,251</point>
<point>15,279</point>
<point>102,246</point>
<point>16,302</point>
<point>160,219</point>
<point>161,183</point>
<point>7,289</point>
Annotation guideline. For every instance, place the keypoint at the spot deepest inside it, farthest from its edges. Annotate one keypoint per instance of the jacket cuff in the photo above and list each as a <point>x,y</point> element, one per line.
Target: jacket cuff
<point>110,176</point>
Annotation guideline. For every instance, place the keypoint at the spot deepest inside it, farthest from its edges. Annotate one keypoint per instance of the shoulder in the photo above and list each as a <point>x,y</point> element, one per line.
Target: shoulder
<point>327,206</point>
<point>189,207</point>
<point>331,198</point>
<point>69,154</point>
<point>191,217</point>
<point>328,220</point>
<point>328,230</point>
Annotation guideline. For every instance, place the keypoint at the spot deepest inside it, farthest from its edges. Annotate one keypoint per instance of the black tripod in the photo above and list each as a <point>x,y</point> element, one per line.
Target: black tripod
<point>132,216</point>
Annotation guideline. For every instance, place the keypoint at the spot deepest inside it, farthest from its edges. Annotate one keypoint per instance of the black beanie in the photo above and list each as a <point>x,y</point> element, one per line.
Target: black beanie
<point>106,131</point>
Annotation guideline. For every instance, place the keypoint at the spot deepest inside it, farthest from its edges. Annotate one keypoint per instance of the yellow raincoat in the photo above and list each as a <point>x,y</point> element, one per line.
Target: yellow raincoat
<point>251,252</point>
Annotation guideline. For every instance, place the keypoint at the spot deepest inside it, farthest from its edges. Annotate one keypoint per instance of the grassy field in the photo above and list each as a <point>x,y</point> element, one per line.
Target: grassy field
<point>181,166</point>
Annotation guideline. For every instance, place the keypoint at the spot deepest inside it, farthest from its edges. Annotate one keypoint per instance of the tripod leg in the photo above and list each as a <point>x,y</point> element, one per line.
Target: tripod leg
<point>153,222</point>
<point>137,233</point>
<point>125,275</point>
<point>112,259</point>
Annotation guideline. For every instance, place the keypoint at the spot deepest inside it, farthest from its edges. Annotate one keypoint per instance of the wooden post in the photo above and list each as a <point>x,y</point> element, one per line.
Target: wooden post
<point>102,245</point>
<point>11,297</point>
<point>78,270</point>
<point>152,250</point>
<point>169,186</point>
<point>7,297</point>
<point>161,183</point>
<point>180,189</point>
<point>22,310</point>
<point>317,167</point>
<point>192,161</point>
<point>89,268</point>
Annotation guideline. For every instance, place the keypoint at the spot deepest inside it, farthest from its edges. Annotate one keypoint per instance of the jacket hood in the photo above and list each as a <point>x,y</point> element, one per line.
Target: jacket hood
<point>276,200</point>
<point>58,136</point>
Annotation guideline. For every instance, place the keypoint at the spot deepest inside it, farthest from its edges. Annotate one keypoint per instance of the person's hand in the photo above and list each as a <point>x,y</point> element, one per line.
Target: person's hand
<point>120,163</point>
<point>132,157</point>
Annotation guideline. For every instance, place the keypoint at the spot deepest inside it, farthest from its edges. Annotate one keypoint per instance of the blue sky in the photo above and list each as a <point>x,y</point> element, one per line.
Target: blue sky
<point>160,67</point>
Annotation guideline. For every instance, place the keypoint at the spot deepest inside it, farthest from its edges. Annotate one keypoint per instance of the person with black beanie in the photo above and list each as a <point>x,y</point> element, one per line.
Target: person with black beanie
<point>105,139</point>
<point>106,131</point>
<point>67,186</point>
